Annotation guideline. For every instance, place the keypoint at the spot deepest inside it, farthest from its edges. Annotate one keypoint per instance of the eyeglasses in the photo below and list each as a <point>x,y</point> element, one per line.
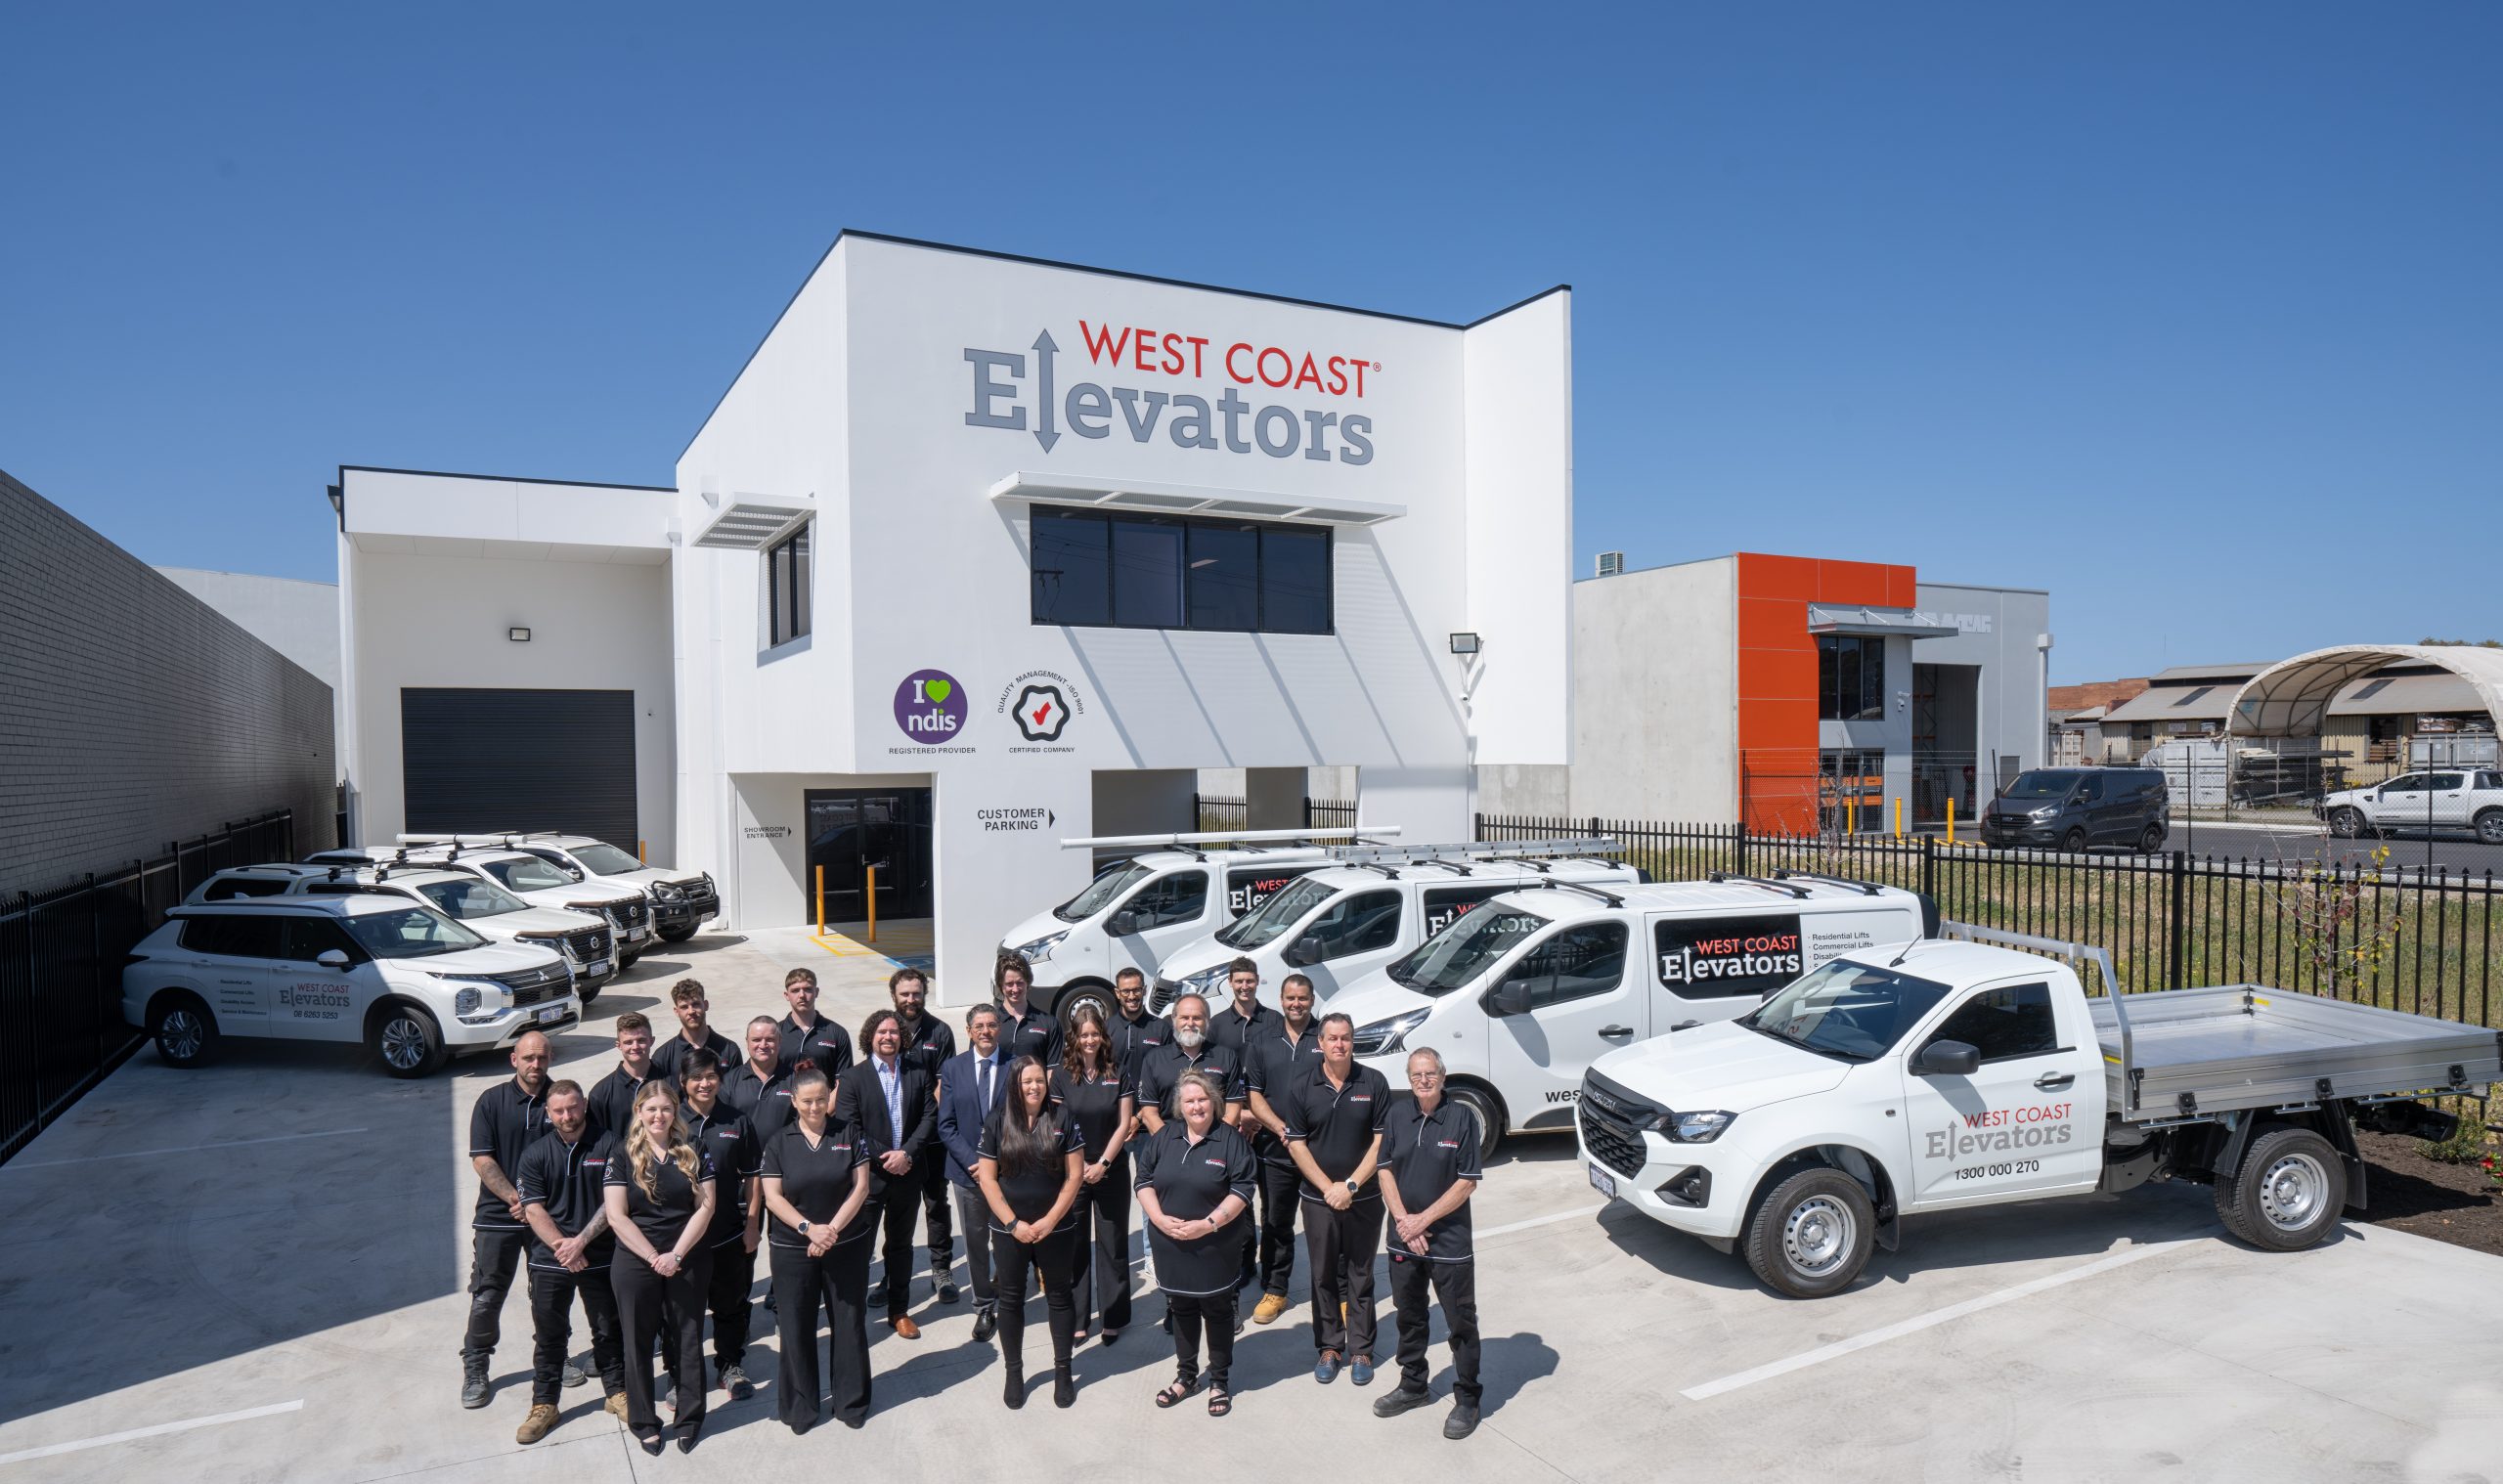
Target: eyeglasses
<point>1424,1076</point>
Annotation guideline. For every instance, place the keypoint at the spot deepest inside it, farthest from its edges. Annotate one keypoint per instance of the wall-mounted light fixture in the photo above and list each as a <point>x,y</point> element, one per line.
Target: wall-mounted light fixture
<point>1464,643</point>
<point>519,636</point>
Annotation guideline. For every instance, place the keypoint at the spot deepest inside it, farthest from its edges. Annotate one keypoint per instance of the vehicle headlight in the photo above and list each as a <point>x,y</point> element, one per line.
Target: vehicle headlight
<point>1041,948</point>
<point>1386,1035</point>
<point>1692,1127</point>
<point>2044,813</point>
<point>466,1002</point>
<point>664,892</point>
<point>1206,983</point>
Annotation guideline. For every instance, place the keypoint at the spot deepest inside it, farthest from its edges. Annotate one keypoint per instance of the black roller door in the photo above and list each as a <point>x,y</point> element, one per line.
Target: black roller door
<point>519,759</point>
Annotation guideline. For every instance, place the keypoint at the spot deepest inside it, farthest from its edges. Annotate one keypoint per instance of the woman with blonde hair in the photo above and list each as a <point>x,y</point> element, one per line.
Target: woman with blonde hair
<point>1194,1180</point>
<point>659,1193</point>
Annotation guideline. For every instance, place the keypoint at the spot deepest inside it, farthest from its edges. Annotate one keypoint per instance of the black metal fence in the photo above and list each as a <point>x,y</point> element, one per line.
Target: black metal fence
<point>2422,942</point>
<point>1216,813</point>
<point>61,961</point>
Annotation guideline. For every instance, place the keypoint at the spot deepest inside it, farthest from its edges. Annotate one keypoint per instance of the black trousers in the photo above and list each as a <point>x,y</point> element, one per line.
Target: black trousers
<point>1213,1313</point>
<point>839,1282</point>
<point>1456,1285</point>
<point>1279,1188</point>
<point>900,1203</point>
<point>974,1214</point>
<point>553,1291</point>
<point>645,1299</point>
<point>1343,1247</point>
<point>494,1257</point>
<point>1099,1257</point>
<point>1011,1261</point>
<point>938,1216</point>
<point>726,1292</point>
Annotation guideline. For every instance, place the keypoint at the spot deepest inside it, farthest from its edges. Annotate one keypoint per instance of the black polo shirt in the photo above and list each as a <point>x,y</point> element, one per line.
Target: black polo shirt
<point>1132,1039</point>
<point>565,1179</point>
<point>1429,1153</point>
<point>929,1044</point>
<point>730,1144</point>
<point>668,1054</point>
<point>1037,1035</point>
<point>765,1100</point>
<point>661,1215</point>
<point>503,1125</point>
<point>1235,1032</point>
<point>1160,1075</point>
<point>1030,1192</point>
<point>612,1098</point>
<point>1271,1067</point>
<point>1190,1181</point>
<point>1337,1123</point>
<point>816,1179</point>
<point>826,1043</point>
<point>1094,1104</point>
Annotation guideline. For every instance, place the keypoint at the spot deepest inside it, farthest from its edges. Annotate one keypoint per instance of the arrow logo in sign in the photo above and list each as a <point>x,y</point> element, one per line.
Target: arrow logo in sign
<point>1045,432</point>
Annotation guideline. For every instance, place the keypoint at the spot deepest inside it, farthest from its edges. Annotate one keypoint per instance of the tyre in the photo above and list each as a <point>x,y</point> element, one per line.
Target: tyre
<point>2074,842</point>
<point>406,1039</point>
<point>678,935</point>
<point>1487,1109</point>
<point>585,993</point>
<point>2349,823</point>
<point>1812,1235</point>
<point>1085,992</point>
<point>2490,826</point>
<point>183,1030</point>
<point>2288,1193</point>
<point>2152,841</point>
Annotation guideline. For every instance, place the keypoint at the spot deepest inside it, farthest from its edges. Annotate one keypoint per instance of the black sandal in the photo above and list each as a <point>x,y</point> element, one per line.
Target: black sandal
<point>1220,1401</point>
<point>1175,1391</point>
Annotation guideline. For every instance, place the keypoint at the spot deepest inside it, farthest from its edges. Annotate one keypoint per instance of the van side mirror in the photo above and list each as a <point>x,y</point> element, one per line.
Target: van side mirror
<point>1122,924</point>
<point>1306,952</point>
<point>332,959</point>
<point>1510,999</point>
<point>1947,1059</point>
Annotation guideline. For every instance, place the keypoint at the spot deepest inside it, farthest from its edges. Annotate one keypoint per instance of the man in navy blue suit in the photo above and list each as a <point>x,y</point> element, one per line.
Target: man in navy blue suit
<point>969,1088</point>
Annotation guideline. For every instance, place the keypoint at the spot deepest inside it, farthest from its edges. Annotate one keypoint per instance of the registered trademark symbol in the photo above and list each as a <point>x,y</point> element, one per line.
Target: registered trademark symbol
<point>1377,366</point>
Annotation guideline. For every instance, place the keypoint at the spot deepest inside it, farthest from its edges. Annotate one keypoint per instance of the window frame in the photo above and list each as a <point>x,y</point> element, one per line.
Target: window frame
<point>802,587</point>
<point>1867,702</point>
<point>1542,989</point>
<point>1263,621</point>
<point>2051,1008</point>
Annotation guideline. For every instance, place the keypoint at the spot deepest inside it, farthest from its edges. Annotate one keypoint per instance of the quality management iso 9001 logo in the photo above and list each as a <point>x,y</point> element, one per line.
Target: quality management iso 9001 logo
<point>1041,702</point>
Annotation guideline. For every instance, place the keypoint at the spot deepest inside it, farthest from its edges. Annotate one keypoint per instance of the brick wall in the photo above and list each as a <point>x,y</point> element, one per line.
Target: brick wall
<point>132,714</point>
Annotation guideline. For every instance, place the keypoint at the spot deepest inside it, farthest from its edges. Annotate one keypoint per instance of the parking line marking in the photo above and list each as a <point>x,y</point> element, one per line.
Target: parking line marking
<point>1895,1330</point>
<point>186,1148</point>
<point>1523,1226</point>
<point>55,1449</point>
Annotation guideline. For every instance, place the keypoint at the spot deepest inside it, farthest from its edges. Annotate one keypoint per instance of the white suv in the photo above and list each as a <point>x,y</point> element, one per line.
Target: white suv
<point>681,903</point>
<point>538,882</point>
<point>584,938</point>
<point>405,980</point>
<point>2443,799</point>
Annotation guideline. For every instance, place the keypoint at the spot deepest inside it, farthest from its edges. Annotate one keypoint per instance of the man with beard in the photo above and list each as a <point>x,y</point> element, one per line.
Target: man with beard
<point>928,1042</point>
<point>1277,1057</point>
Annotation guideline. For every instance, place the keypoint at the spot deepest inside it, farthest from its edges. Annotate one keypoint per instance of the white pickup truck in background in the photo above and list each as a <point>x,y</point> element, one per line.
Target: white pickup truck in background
<point>2434,800</point>
<point>1951,1075</point>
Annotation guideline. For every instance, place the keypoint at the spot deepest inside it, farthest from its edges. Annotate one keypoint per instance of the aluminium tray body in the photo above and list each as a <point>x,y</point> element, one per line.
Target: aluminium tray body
<point>2242,1046</point>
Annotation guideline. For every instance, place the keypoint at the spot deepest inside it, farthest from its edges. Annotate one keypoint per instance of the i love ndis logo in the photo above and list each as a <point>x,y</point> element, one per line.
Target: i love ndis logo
<point>930,707</point>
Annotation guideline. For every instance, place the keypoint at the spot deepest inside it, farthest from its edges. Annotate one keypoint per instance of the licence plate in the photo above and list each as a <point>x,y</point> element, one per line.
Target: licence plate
<point>556,1013</point>
<point>636,935</point>
<point>596,966</point>
<point>1603,1182</point>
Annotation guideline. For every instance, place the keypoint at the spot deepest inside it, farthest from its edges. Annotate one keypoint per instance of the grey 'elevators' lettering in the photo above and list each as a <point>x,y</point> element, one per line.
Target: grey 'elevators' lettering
<point>1234,407</point>
<point>1284,445</point>
<point>1318,445</point>
<point>1192,413</point>
<point>1359,449</point>
<point>1142,429</point>
<point>1090,411</point>
<point>988,388</point>
<point>1045,433</point>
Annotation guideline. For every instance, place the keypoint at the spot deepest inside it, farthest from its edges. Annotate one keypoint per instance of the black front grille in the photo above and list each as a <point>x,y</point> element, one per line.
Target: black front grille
<point>588,943</point>
<point>536,986</point>
<point>1614,1143</point>
<point>622,914</point>
<point>1161,999</point>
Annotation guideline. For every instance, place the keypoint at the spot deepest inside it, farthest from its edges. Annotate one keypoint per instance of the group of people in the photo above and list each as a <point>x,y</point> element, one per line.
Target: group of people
<point>646,1198</point>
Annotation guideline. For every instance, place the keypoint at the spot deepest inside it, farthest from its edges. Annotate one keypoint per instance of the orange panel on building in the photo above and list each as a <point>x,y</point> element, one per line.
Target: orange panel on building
<point>1777,664</point>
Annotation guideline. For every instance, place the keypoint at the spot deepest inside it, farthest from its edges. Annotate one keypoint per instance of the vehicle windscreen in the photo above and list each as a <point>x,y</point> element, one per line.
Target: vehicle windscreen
<point>409,933</point>
<point>472,898</point>
<point>1276,915</point>
<point>2042,783</point>
<point>529,873</point>
<point>1462,951</point>
<point>1102,892</point>
<point>605,859</point>
<point>1850,1012</point>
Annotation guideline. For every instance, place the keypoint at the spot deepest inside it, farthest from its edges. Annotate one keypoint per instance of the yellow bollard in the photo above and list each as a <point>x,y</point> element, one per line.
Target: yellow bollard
<point>1899,816</point>
<point>821,901</point>
<point>1851,816</point>
<point>1950,819</point>
<point>873,904</point>
<point>642,856</point>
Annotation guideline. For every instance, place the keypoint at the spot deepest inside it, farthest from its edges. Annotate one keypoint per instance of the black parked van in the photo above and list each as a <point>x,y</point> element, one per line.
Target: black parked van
<point>2074,809</point>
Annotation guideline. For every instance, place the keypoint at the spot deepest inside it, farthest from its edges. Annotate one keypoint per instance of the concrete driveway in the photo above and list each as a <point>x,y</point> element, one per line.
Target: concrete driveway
<point>254,1272</point>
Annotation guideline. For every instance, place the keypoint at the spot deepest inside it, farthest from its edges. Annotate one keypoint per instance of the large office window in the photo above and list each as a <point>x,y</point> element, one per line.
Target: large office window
<point>1851,677</point>
<point>1100,569</point>
<point>786,588</point>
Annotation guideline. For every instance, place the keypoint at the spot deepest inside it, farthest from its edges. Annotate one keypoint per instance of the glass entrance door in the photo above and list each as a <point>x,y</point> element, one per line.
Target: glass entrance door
<point>850,830</point>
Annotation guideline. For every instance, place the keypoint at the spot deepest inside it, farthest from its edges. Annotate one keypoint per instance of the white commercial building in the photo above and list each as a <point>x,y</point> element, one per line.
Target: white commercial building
<point>979,552</point>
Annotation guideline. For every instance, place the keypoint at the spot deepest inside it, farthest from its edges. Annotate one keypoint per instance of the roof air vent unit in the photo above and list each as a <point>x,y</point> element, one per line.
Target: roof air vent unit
<point>1611,563</point>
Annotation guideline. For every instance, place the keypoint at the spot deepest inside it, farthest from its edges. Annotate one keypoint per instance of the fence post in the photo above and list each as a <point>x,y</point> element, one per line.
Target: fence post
<point>2180,909</point>
<point>1929,868</point>
<point>1480,826</point>
<point>1739,853</point>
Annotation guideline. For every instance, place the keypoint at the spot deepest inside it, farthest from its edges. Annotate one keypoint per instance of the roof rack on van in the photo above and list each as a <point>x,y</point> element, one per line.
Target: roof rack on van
<point>1460,856</point>
<point>1758,881</point>
<point>1552,883</point>
<point>1220,837</point>
<point>506,839</point>
<point>1863,888</point>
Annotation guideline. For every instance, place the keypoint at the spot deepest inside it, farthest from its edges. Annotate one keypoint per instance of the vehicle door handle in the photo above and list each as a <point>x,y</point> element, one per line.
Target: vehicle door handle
<point>2053,1081</point>
<point>1617,1031</point>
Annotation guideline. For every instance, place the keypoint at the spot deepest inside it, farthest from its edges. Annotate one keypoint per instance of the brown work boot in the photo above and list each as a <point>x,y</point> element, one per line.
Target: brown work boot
<point>1271,1306</point>
<point>541,1422</point>
<point>616,1406</point>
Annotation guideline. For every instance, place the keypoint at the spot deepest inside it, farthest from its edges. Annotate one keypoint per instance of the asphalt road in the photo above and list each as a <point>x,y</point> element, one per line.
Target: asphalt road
<point>2410,851</point>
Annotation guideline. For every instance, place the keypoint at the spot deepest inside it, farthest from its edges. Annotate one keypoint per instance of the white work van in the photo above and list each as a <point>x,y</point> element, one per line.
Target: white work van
<point>681,903</point>
<point>1163,892</point>
<point>1521,994</point>
<point>538,882</point>
<point>1946,1074</point>
<point>1371,904</point>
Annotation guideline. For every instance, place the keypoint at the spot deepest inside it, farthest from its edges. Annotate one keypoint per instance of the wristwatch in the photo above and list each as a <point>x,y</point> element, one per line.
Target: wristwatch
<point>804,1228</point>
<point>1352,1188</point>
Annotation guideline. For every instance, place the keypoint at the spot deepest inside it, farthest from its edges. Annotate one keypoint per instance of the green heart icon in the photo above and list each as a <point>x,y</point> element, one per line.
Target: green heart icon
<point>938,690</point>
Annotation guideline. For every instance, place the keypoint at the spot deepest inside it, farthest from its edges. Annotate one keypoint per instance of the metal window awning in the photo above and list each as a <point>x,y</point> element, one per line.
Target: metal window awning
<point>751,522</point>
<point>1830,618</point>
<point>1190,500</point>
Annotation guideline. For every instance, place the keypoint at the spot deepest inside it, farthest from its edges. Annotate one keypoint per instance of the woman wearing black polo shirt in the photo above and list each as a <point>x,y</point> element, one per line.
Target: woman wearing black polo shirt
<point>1090,1086</point>
<point>659,1194</point>
<point>1032,1156</point>
<point>1195,1178</point>
<point>816,1178</point>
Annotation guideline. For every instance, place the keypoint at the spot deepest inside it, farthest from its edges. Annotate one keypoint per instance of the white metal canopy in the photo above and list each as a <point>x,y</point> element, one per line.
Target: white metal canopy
<point>1190,500</point>
<point>2290,698</point>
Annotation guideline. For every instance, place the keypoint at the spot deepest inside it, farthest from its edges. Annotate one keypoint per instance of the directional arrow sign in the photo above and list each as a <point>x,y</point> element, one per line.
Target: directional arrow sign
<point>1046,432</point>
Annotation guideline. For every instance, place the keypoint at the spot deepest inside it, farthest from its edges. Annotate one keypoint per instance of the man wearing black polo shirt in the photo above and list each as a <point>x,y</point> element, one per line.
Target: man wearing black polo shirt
<point>507,1119</point>
<point>612,1097</point>
<point>695,1033</point>
<point>561,1199</point>
<point>1234,1027</point>
<point>725,1136</point>
<point>1023,1029</point>
<point>928,1042</point>
<point>1277,1056</point>
<point>1334,1116</point>
<point>808,1036</point>
<point>1160,1071</point>
<point>1134,1030</point>
<point>1429,1168</point>
<point>760,1088</point>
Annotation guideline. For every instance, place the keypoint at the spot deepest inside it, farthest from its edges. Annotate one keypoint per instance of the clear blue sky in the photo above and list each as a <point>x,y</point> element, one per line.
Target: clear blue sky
<point>2192,315</point>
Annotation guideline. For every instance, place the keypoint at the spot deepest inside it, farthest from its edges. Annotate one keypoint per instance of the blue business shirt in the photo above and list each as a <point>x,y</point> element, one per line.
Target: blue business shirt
<point>890,1082</point>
